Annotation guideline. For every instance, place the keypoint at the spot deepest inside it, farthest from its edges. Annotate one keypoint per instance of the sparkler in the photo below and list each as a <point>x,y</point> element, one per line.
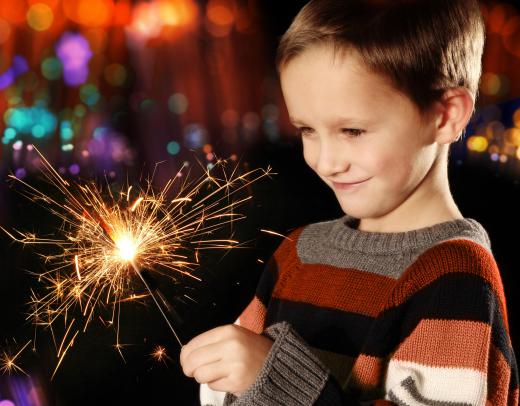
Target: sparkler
<point>107,238</point>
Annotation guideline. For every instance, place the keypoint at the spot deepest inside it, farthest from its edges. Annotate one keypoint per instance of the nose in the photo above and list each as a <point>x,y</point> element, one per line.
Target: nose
<point>331,158</point>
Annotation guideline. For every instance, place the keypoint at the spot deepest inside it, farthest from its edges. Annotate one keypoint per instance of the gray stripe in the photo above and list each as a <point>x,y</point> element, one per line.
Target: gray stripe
<point>338,243</point>
<point>396,400</point>
<point>411,387</point>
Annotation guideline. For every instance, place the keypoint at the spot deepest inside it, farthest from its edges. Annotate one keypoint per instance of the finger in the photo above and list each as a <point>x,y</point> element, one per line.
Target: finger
<point>222,385</point>
<point>210,372</point>
<point>206,354</point>
<point>209,337</point>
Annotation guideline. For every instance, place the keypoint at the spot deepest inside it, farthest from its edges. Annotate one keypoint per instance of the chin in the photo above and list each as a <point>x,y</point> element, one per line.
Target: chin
<point>353,211</point>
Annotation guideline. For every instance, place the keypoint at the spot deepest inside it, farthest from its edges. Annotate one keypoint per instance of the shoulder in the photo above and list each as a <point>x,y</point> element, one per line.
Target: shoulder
<point>465,250</point>
<point>459,267</point>
<point>457,255</point>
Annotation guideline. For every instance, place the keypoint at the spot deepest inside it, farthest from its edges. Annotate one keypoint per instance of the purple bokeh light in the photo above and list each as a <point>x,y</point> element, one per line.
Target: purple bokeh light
<point>74,169</point>
<point>74,52</point>
<point>18,67</point>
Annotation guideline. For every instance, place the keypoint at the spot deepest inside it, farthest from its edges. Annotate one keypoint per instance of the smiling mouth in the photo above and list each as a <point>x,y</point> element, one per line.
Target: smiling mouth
<point>343,186</point>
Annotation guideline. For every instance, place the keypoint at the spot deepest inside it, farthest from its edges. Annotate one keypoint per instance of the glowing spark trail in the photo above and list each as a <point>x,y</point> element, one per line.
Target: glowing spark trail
<point>274,233</point>
<point>107,238</point>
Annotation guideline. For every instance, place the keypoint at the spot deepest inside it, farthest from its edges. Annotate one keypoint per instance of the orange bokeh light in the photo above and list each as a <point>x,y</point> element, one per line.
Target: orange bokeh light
<point>13,11</point>
<point>122,13</point>
<point>498,16</point>
<point>511,35</point>
<point>92,13</point>
<point>220,12</point>
<point>5,31</point>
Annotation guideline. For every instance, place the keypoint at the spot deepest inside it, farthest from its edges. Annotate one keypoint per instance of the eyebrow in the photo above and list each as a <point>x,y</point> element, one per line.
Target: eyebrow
<point>336,122</point>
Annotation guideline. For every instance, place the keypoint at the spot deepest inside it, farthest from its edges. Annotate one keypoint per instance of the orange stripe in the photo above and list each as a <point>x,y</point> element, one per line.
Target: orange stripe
<point>367,372</point>
<point>286,254</point>
<point>454,256</point>
<point>513,397</point>
<point>448,343</point>
<point>499,377</point>
<point>337,288</point>
<point>253,317</point>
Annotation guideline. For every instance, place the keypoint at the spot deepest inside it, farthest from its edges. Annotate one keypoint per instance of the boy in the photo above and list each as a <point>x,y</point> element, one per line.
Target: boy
<point>400,301</point>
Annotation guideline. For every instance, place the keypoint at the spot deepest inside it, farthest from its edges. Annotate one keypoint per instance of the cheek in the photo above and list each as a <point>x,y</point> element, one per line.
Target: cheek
<point>310,154</point>
<point>390,167</point>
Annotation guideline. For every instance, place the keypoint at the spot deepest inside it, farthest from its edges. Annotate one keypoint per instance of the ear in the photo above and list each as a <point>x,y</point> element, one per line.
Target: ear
<point>454,111</point>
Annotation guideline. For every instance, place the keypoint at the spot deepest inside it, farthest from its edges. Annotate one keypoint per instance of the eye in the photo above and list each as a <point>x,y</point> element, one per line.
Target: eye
<point>353,132</point>
<point>304,131</point>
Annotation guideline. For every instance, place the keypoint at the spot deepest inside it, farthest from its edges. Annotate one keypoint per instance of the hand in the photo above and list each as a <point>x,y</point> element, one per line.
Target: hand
<point>228,358</point>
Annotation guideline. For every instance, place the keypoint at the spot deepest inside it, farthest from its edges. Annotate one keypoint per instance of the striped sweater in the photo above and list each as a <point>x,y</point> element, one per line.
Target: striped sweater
<point>366,318</point>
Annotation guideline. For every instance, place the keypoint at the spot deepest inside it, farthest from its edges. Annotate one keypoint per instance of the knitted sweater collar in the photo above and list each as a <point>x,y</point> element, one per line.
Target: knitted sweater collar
<point>345,235</point>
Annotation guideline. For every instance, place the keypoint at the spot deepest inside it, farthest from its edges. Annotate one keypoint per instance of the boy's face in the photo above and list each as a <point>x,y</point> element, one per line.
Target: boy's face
<point>356,127</point>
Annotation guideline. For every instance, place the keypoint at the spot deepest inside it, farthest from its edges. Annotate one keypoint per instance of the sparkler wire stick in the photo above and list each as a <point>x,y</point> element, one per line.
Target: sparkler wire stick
<point>152,294</point>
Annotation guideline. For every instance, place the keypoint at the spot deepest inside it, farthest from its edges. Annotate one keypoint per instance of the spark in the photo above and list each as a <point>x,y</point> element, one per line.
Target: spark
<point>8,362</point>
<point>77,266</point>
<point>274,233</point>
<point>107,237</point>
<point>159,354</point>
<point>134,206</point>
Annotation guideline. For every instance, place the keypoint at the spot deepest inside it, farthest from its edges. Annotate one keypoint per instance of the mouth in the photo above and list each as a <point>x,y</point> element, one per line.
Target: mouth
<point>347,186</point>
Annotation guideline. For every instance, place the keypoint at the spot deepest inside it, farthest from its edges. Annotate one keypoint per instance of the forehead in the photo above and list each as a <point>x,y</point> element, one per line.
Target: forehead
<point>320,80</point>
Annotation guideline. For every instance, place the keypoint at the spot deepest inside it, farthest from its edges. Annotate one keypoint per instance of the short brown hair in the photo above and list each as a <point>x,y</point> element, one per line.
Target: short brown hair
<point>423,46</point>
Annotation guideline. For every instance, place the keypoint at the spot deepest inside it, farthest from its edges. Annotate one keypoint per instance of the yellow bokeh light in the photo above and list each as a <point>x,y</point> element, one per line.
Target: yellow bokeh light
<point>490,84</point>
<point>40,17</point>
<point>126,247</point>
<point>169,14</point>
<point>477,143</point>
<point>516,118</point>
<point>177,12</point>
<point>146,20</point>
<point>512,136</point>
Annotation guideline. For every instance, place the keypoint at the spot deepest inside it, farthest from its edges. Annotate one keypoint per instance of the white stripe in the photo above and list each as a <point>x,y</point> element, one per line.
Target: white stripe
<point>437,383</point>
<point>211,397</point>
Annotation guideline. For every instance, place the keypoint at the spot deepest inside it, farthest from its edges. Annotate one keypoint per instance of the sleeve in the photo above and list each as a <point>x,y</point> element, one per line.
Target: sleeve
<point>445,342</point>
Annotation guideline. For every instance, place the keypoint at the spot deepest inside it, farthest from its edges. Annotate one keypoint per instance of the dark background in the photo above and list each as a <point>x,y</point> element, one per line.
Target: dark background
<point>93,371</point>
